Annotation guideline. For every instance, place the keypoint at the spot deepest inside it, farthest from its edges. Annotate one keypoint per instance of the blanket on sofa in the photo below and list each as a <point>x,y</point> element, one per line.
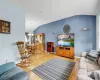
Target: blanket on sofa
<point>95,75</point>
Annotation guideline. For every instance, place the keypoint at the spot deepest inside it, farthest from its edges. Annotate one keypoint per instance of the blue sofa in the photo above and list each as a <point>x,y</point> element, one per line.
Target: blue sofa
<point>10,71</point>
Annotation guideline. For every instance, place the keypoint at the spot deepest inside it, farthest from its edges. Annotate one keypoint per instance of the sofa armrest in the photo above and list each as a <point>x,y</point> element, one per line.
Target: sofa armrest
<point>84,54</point>
<point>6,67</point>
<point>83,77</point>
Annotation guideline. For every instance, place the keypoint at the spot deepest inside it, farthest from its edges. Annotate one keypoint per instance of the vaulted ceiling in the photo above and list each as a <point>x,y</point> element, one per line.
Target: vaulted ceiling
<point>39,12</point>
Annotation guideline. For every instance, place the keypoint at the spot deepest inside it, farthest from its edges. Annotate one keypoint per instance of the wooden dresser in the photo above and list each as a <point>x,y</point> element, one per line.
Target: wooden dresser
<point>65,51</point>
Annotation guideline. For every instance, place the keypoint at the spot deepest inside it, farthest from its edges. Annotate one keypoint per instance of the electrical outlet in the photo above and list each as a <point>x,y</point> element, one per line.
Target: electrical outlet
<point>6,60</point>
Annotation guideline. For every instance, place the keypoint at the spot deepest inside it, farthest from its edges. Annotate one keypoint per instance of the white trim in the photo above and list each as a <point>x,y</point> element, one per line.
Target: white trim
<point>49,52</point>
<point>77,57</point>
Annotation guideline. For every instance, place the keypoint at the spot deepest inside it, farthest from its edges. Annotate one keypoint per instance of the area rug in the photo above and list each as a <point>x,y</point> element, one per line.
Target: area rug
<point>54,69</point>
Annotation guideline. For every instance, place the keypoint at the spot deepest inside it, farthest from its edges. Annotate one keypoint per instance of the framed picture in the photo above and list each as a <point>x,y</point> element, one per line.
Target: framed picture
<point>4,27</point>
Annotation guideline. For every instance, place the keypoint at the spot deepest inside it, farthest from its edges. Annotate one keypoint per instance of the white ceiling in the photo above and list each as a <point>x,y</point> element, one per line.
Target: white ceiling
<point>39,12</point>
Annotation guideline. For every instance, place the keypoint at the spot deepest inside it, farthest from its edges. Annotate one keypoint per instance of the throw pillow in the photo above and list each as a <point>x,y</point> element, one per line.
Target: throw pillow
<point>95,75</point>
<point>94,52</point>
<point>92,57</point>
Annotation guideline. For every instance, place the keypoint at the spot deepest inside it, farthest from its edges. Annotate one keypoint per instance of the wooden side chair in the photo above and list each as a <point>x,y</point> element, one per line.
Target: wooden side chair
<point>24,53</point>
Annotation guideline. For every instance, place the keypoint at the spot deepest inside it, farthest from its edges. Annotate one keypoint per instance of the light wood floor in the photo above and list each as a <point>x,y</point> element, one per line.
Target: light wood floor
<point>42,58</point>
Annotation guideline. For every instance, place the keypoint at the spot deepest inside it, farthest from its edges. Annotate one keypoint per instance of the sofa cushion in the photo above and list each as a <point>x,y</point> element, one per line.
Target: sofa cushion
<point>82,65</point>
<point>84,54</point>
<point>82,72</point>
<point>92,57</point>
<point>82,59</point>
<point>92,67</point>
<point>83,77</point>
<point>6,67</point>
<point>91,62</point>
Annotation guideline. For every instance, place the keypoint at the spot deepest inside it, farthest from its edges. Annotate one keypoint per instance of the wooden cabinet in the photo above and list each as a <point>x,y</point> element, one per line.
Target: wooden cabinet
<point>50,46</point>
<point>65,51</point>
<point>39,40</point>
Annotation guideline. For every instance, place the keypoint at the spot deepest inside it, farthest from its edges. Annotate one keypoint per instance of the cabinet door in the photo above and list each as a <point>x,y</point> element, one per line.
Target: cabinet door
<point>60,51</point>
<point>66,52</point>
<point>72,53</point>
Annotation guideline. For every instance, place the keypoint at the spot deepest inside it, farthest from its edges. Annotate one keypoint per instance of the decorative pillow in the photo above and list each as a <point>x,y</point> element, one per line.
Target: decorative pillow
<point>94,52</point>
<point>92,57</point>
<point>6,67</point>
<point>95,75</point>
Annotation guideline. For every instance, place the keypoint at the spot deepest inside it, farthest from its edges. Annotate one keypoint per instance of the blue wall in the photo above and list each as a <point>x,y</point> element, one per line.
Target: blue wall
<point>8,48</point>
<point>84,40</point>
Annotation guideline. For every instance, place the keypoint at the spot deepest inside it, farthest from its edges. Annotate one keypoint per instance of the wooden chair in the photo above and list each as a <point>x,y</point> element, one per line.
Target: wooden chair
<point>21,49</point>
<point>24,54</point>
<point>33,48</point>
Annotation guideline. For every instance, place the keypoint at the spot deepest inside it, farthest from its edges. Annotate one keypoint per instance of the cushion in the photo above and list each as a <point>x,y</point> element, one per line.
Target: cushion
<point>95,75</point>
<point>82,59</point>
<point>92,58</point>
<point>92,55</point>
<point>83,77</point>
<point>94,52</point>
<point>91,62</point>
<point>6,67</point>
<point>84,54</point>
<point>82,65</point>
<point>82,72</point>
<point>91,67</point>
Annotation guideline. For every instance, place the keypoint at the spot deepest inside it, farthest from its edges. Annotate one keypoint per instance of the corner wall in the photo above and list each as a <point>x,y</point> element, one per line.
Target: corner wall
<point>84,40</point>
<point>8,48</point>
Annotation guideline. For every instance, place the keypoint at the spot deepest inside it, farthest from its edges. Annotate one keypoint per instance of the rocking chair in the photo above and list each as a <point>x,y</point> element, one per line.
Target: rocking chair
<point>24,54</point>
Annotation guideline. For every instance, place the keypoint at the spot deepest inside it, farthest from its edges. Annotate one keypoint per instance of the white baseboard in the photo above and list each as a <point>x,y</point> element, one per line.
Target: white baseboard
<point>50,52</point>
<point>77,57</point>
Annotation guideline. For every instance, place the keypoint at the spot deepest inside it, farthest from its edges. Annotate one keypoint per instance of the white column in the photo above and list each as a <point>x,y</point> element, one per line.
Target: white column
<point>98,32</point>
